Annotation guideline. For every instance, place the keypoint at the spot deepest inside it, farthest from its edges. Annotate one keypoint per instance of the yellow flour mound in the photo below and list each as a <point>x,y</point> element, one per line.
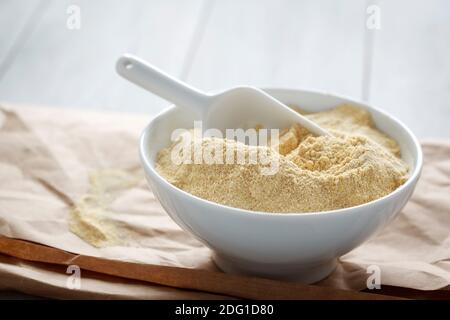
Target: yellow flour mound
<point>357,165</point>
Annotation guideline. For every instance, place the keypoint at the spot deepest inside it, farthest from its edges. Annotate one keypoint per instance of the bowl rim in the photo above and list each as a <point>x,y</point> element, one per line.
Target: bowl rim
<point>412,179</point>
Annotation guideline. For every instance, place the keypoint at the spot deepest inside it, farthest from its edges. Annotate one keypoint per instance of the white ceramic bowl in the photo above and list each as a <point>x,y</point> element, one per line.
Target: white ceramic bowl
<point>298,246</point>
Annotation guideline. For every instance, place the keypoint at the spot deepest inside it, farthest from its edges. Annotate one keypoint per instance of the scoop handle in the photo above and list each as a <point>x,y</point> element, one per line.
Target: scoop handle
<point>160,83</point>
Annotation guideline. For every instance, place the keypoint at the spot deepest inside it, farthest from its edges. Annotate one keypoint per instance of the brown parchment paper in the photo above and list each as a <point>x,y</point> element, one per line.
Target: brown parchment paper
<point>47,155</point>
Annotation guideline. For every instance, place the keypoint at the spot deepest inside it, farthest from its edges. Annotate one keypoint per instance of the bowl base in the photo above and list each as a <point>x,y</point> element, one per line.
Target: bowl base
<point>289,272</point>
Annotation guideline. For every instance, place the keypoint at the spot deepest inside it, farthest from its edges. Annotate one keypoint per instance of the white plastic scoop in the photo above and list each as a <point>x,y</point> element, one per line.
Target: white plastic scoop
<point>241,107</point>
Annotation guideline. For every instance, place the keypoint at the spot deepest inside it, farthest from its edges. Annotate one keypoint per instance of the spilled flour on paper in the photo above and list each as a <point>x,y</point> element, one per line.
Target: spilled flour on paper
<point>356,165</point>
<point>91,216</point>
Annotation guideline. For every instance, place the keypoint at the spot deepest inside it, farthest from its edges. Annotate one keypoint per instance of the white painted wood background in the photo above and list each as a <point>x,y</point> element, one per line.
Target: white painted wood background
<point>403,68</point>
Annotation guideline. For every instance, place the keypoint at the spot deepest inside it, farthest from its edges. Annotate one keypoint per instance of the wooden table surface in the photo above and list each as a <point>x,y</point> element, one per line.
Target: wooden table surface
<point>403,67</point>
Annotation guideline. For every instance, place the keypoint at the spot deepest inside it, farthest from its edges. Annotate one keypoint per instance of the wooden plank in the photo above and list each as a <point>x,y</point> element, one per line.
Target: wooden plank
<point>14,19</point>
<point>289,43</point>
<point>411,65</point>
<point>63,67</point>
